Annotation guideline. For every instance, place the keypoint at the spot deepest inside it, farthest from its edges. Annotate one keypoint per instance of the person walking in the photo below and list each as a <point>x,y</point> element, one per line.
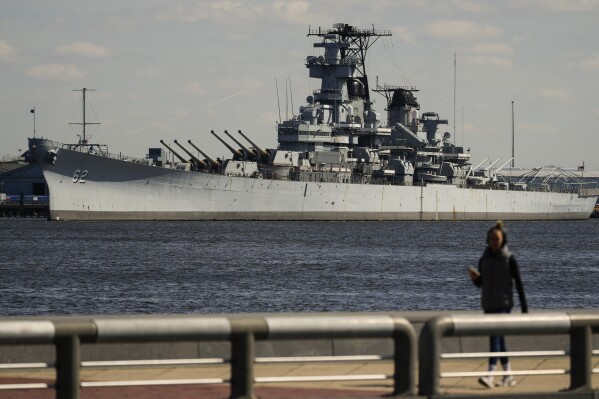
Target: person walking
<point>497,270</point>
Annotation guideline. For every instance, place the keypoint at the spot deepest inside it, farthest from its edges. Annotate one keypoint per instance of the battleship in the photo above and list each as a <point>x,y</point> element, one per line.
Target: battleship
<point>336,159</point>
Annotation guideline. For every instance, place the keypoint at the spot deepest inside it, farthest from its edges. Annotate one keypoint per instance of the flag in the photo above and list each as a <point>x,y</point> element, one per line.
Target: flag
<point>581,168</point>
<point>33,111</point>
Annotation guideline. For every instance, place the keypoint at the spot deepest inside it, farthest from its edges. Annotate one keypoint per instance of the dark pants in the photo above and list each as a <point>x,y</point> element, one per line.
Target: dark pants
<point>497,342</point>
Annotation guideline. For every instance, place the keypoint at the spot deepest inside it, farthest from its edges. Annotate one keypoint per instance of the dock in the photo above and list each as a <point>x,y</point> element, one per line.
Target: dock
<point>24,206</point>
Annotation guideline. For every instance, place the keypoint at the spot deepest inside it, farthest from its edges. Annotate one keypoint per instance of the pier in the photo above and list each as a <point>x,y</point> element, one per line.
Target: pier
<point>24,206</point>
<point>405,354</point>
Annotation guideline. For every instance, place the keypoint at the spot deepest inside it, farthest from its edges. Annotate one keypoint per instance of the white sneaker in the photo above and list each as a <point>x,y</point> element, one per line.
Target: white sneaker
<point>486,381</point>
<point>507,381</point>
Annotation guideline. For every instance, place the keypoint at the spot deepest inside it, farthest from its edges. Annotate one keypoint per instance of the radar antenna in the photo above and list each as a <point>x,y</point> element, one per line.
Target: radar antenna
<point>357,41</point>
<point>84,123</point>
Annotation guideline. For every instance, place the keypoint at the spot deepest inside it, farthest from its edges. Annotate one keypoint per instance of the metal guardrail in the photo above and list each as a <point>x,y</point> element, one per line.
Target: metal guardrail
<point>241,332</point>
<point>579,327</point>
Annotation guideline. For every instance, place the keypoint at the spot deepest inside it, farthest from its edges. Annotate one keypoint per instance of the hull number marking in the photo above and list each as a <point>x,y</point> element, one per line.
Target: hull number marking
<point>79,176</point>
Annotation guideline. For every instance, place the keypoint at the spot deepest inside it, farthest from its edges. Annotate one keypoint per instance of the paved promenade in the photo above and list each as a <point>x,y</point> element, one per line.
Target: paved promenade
<point>339,389</point>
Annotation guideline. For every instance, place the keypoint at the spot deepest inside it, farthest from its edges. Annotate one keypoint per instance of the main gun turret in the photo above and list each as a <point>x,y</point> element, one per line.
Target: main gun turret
<point>199,164</point>
<point>247,152</point>
<point>236,153</point>
<point>174,152</point>
<point>215,165</point>
<point>265,156</point>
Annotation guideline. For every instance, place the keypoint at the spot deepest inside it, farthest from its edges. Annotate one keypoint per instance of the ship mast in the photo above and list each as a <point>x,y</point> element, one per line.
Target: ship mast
<point>357,41</point>
<point>83,139</point>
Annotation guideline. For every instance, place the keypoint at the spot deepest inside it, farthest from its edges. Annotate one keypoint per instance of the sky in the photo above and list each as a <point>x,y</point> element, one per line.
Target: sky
<point>178,69</point>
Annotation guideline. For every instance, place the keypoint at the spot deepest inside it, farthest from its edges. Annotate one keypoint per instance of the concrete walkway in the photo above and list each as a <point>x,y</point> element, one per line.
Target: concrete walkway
<point>340,389</point>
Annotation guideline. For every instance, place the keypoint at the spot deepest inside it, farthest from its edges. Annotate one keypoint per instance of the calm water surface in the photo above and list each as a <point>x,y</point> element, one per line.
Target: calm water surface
<point>57,268</point>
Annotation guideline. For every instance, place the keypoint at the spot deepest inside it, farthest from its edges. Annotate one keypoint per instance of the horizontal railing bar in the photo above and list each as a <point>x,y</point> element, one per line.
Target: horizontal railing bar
<point>500,354</point>
<point>502,373</point>
<point>15,366</point>
<point>293,359</point>
<point>33,385</point>
<point>324,378</point>
<point>100,384</point>
<point>595,352</point>
<point>151,362</point>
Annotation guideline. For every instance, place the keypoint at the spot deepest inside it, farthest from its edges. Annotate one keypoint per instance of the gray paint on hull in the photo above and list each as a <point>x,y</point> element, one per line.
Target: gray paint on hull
<point>312,216</point>
<point>120,190</point>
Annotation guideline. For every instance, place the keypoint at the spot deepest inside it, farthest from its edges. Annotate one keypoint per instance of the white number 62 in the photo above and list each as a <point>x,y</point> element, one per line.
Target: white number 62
<point>79,176</point>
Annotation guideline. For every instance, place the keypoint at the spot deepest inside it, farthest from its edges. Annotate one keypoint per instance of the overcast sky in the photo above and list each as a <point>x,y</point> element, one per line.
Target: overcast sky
<point>177,69</point>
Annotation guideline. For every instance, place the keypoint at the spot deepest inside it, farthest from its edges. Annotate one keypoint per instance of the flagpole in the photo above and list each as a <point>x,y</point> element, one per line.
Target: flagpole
<point>513,134</point>
<point>33,112</point>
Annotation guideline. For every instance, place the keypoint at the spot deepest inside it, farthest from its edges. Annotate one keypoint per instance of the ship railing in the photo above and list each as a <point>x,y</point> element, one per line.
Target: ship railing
<point>101,150</point>
<point>353,31</point>
<point>327,94</point>
<point>341,61</point>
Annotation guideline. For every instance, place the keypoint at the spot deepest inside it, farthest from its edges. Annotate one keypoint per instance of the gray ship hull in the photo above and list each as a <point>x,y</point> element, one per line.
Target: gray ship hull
<point>83,186</point>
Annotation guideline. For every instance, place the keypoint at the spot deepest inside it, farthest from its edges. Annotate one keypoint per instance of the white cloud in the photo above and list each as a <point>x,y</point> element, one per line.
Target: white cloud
<point>209,111</point>
<point>557,5</point>
<point>404,34</point>
<point>161,127</point>
<point>591,63</point>
<point>7,52</point>
<point>294,12</point>
<point>241,83</point>
<point>532,127</point>
<point>148,72</point>
<point>216,11</point>
<point>84,49</point>
<point>461,29</point>
<point>489,61</point>
<point>494,48</point>
<point>55,72</point>
<point>551,94</point>
<point>268,118</point>
<point>477,7</point>
<point>237,37</point>
<point>194,88</point>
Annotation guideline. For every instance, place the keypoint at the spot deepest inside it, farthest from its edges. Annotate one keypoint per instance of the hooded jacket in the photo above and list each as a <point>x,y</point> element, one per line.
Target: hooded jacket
<point>497,274</point>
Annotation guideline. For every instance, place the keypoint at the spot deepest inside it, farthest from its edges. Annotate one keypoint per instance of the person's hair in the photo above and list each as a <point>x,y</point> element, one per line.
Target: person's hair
<point>498,227</point>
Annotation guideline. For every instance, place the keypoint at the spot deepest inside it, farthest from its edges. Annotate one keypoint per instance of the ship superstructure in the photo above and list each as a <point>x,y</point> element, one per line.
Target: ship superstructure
<point>336,160</point>
<point>341,136</point>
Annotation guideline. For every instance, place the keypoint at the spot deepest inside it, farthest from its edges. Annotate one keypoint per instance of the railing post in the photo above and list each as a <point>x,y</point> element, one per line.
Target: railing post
<point>67,367</point>
<point>581,365</point>
<point>69,335</point>
<point>244,332</point>
<point>404,358</point>
<point>242,365</point>
<point>429,370</point>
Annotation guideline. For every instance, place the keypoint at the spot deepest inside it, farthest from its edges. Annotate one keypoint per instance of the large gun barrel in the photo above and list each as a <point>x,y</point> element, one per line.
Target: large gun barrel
<point>198,161</point>
<point>174,152</point>
<point>262,153</point>
<point>235,152</point>
<point>250,153</point>
<point>214,164</point>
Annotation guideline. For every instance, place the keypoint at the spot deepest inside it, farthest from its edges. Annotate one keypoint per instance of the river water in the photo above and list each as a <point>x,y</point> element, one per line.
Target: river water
<point>59,268</point>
